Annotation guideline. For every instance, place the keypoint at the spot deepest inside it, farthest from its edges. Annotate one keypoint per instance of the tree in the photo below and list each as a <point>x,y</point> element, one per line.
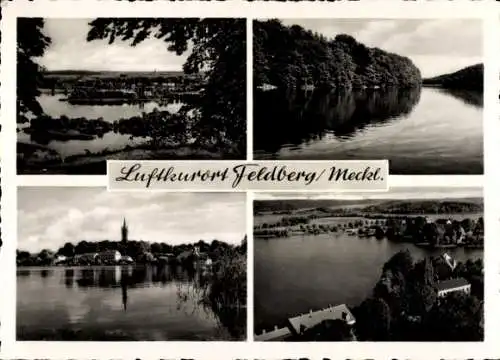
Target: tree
<point>218,48</point>
<point>67,250</point>
<point>401,262</point>
<point>31,43</point>
<point>373,320</point>
<point>457,318</point>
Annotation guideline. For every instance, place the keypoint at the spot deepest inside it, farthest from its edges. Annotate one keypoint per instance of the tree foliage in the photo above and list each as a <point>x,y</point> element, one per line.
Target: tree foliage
<point>291,56</point>
<point>404,305</point>
<point>31,44</point>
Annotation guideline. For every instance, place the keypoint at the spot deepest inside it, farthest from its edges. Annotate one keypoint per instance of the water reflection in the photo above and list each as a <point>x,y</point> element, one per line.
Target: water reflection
<point>170,299</point>
<point>469,97</point>
<point>295,117</point>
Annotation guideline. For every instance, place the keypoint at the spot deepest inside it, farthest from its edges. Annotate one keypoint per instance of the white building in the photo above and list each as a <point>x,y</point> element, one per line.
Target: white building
<point>110,256</point>
<point>447,287</point>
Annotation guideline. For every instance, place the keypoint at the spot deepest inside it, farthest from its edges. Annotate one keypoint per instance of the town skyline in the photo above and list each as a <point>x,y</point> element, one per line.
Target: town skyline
<point>51,217</point>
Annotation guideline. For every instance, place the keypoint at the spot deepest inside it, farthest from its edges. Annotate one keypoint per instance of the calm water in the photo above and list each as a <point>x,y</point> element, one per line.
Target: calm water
<point>293,275</point>
<point>421,131</point>
<point>112,141</point>
<point>142,303</point>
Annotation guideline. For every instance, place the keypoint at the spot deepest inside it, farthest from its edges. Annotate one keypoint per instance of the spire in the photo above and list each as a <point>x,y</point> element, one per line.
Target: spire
<point>124,231</point>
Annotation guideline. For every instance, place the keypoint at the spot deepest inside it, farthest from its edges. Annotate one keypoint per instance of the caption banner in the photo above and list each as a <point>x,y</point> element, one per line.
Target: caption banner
<point>369,175</point>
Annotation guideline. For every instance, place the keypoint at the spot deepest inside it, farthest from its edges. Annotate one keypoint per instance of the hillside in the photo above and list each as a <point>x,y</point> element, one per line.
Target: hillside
<point>109,74</point>
<point>379,206</point>
<point>441,206</point>
<point>291,56</point>
<point>470,77</point>
<point>263,206</point>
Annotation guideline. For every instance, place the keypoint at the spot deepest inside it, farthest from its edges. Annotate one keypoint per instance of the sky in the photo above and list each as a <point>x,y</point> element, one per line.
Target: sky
<point>402,193</point>
<point>48,217</point>
<point>436,46</point>
<point>70,50</point>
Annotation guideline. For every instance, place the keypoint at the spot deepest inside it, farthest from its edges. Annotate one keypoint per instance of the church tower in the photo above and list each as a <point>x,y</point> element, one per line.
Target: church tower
<point>124,232</point>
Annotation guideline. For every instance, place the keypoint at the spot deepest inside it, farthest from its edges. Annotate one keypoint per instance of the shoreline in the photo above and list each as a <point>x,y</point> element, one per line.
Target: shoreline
<point>95,163</point>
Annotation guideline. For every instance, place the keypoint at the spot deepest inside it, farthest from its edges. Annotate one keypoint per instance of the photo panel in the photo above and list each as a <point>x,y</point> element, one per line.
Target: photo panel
<point>155,263</point>
<point>90,90</point>
<point>406,90</point>
<point>406,265</point>
<point>99,266</point>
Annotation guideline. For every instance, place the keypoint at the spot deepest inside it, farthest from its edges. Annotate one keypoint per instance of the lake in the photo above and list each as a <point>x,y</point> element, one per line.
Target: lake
<point>54,107</point>
<point>300,273</point>
<point>120,302</point>
<point>420,131</point>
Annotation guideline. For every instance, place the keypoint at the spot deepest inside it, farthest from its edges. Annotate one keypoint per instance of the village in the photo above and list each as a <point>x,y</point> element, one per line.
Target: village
<point>420,230</point>
<point>125,252</point>
<point>116,88</point>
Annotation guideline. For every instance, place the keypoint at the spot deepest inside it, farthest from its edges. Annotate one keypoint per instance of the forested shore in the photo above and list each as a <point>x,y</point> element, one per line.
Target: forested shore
<point>291,56</point>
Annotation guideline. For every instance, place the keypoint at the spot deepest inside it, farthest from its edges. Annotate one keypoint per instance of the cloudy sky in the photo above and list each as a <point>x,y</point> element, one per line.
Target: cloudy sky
<point>50,216</point>
<point>71,51</point>
<point>393,193</point>
<point>435,46</point>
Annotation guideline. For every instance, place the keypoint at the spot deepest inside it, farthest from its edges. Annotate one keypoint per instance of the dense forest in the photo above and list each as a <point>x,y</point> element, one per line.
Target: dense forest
<point>291,56</point>
<point>470,78</point>
<point>472,205</point>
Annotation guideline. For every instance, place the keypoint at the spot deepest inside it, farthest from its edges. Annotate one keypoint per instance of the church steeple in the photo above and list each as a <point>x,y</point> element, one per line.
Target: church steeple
<point>124,231</point>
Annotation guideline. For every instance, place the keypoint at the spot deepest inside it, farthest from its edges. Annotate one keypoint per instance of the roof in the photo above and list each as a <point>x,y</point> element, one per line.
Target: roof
<point>314,318</point>
<point>452,284</point>
<point>274,335</point>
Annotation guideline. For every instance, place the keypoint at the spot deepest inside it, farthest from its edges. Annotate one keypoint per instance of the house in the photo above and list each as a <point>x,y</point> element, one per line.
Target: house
<point>453,285</point>
<point>109,256</point>
<point>127,259</point>
<point>450,261</point>
<point>183,256</point>
<point>208,262</point>
<point>60,259</point>
<point>281,334</point>
<point>83,259</point>
<point>299,324</point>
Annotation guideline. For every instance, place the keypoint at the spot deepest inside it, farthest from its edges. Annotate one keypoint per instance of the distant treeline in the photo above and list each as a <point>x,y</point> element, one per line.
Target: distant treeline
<point>139,251</point>
<point>473,205</point>
<point>291,56</point>
<point>470,77</point>
<point>426,207</point>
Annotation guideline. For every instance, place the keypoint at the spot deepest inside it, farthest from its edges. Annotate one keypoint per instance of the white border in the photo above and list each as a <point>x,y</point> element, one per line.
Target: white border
<point>232,350</point>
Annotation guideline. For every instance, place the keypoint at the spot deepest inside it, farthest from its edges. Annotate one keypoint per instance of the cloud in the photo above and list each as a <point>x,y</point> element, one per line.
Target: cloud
<point>393,193</point>
<point>70,50</point>
<point>49,217</point>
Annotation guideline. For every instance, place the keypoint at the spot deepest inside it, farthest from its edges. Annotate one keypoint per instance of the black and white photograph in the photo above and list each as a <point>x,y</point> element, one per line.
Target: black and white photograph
<point>94,265</point>
<point>89,90</point>
<point>405,265</point>
<point>406,90</point>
